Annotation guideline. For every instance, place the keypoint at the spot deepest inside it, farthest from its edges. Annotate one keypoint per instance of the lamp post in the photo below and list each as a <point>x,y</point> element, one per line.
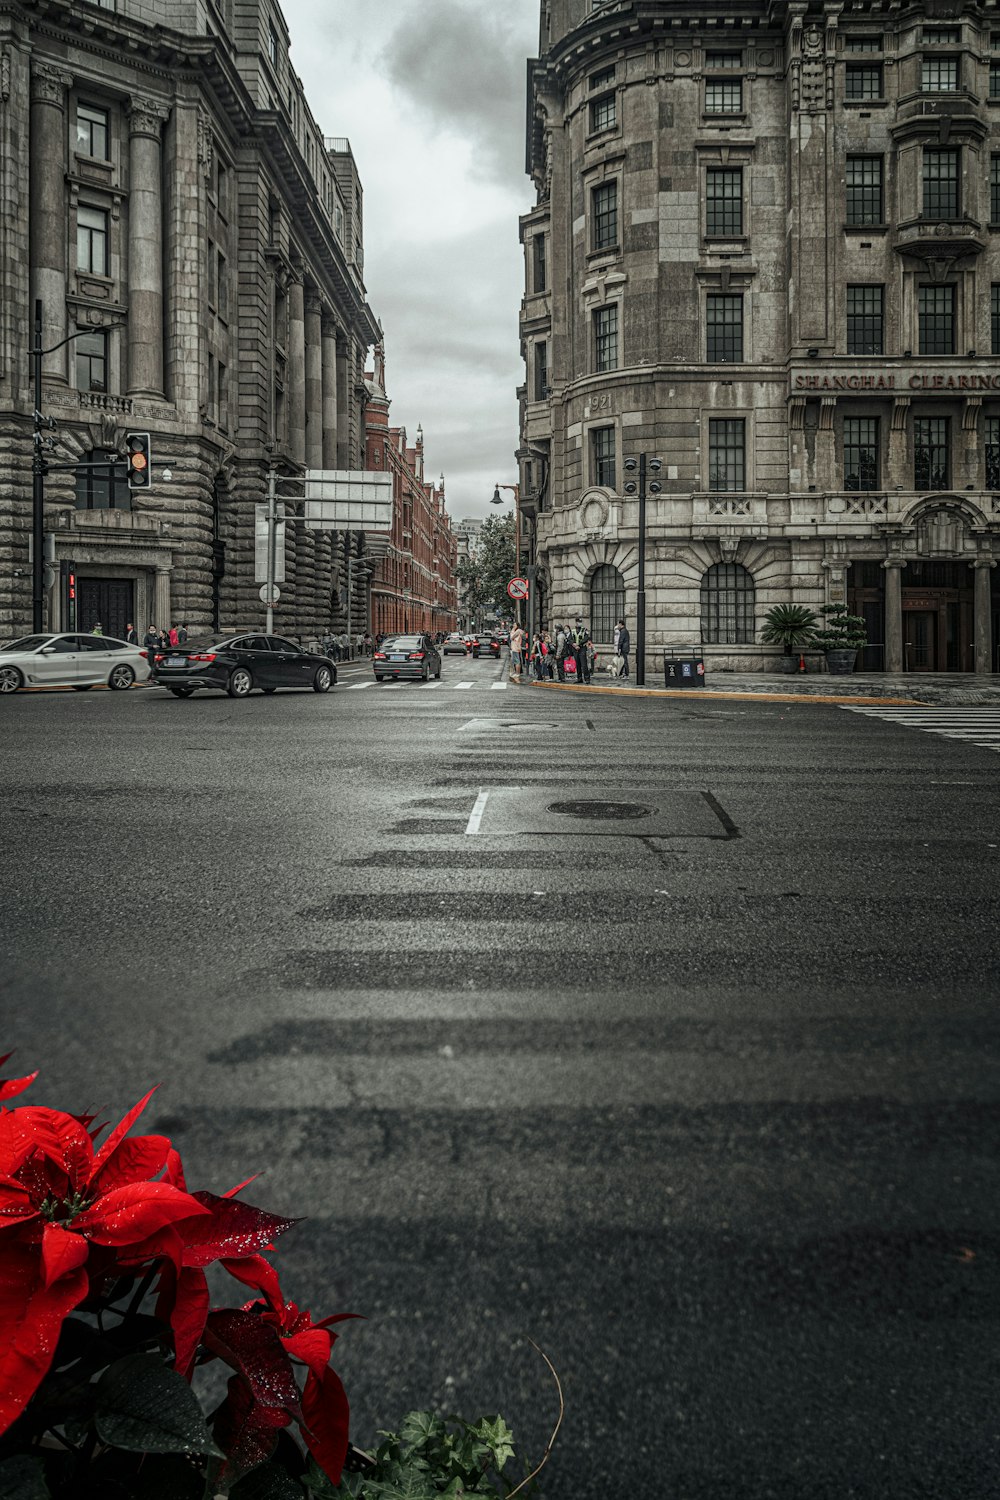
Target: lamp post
<point>497,499</point>
<point>637,466</point>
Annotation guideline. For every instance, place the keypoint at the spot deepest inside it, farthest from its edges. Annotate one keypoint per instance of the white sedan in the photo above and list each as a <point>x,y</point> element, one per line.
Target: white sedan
<point>76,661</point>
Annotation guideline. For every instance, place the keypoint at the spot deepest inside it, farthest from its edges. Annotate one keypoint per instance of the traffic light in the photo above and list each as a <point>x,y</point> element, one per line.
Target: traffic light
<point>138,461</point>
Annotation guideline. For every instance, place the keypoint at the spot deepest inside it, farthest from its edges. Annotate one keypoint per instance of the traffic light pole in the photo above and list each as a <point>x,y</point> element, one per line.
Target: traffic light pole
<point>640,602</point>
<point>272,543</point>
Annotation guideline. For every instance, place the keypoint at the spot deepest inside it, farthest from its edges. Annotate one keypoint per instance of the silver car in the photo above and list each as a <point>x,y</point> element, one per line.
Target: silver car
<point>76,661</point>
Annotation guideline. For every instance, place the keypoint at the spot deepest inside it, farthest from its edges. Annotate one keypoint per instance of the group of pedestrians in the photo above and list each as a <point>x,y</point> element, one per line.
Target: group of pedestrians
<point>565,653</point>
<point>339,647</point>
<point>157,638</point>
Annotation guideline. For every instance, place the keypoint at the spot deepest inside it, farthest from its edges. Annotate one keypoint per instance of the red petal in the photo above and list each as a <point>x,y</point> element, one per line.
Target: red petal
<point>129,1214</point>
<point>49,1133</point>
<point>327,1422</point>
<point>15,1202</point>
<point>251,1346</point>
<point>175,1170</point>
<point>9,1087</point>
<point>62,1252</point>
<point>135,1160</point>
<point>255,1271</point>
<point>31,1316</point>
<point>183,1303</point>
<point>244,1430</point>
<point>120,1131</point>
<point>231,1193</point>
<point>312,1346</point>
<point>234,1231</point>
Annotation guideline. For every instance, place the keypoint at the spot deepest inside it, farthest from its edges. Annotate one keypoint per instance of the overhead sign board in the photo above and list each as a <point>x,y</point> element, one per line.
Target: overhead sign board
<point>348,500</point>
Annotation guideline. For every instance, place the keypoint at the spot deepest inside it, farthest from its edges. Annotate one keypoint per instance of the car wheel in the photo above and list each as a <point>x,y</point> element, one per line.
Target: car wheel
<point>10,680</point>
<point>121,677</point>
<point>269,691</point>
<point>82,687</point>
<point>240,683</point>
<point>182,692</point>
<point>322,679</point>
<point>438,672</point>
<point>377,677</point>
<point>425,674</point>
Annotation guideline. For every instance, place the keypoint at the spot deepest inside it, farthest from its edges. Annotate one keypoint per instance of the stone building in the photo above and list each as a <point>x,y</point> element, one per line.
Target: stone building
<point>414,586</point>
<point>168,196</point>
<point>766,250</point>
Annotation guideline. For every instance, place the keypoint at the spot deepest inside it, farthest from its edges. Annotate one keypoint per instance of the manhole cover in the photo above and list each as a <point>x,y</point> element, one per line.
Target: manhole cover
<point>600,809</point>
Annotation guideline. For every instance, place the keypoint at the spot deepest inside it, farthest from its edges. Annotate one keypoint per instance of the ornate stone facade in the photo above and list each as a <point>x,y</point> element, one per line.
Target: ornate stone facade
<point>166,192</point>
<point>766,250</point>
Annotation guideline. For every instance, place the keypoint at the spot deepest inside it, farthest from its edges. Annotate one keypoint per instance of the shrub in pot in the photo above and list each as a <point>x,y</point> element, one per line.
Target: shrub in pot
<point>841,639</point>
<point>790,626</point>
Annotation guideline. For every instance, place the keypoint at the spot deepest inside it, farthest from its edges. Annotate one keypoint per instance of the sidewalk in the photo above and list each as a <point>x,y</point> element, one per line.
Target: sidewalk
<point>953,688</point>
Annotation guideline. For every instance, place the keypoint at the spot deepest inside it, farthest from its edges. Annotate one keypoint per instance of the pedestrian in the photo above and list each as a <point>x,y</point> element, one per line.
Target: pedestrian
<point>164,638</point>
<point>624,644</point>
<point>182,635</point>
<point>368,643</point>
<point>172,635</point>
<point>151,644</point>
<point>360,644</point>
<point>95,629</point>
<point>131,635</point>
<point>517,645</point>
<point>582,651</point>
<point>562,646</point>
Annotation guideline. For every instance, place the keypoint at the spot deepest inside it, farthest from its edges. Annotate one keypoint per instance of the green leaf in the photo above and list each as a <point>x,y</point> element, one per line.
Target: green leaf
<point>497,1436</point>
<point>23,1478</point>
<point>421,1428</point>
<point>144,1406</point>
<point>268,1482</point>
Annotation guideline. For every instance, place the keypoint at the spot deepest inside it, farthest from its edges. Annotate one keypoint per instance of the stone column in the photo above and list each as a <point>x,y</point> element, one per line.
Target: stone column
<point>161,597</point>
<point>329,395</point>
<point>343,407</point>
<point>296,371</point>
<point>983,614</point>
<point>893,614</point>
<point>314,382</point>
<point>899,472</point>
<point>47,209</point>
<point>145,249</point>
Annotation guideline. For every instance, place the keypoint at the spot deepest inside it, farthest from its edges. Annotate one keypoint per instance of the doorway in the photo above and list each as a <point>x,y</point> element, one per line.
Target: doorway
<point>108,600</point>
<point>920,640</point>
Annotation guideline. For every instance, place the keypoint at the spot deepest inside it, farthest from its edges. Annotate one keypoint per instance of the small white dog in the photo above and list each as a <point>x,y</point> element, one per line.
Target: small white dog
<point>615,666</point>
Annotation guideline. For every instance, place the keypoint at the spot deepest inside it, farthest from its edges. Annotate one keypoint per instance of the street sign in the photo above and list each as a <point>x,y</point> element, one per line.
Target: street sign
<point>348,500</point>
<point>260,544</point>
<point>518,588</point>
<point>275,595</point>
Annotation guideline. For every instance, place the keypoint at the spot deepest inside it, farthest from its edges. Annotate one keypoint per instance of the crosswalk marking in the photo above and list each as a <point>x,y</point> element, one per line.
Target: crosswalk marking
<point>456,687</point>
<point>973,726</point>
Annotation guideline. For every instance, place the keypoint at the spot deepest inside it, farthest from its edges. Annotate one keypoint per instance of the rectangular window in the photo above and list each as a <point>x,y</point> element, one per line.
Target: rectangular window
<point>995,318</point>
<point>865,320</point>
<point>723,96</point>
<point>995,189</point>
<point>606,338</point>
<point>541,370</point>
<point>861,465</point>
<point>602,447</point>
<point>724,328</point>
<point>211,266</point>
<point>728,60</point>
<point>724,202</point>
<point>864,44</point>
<point>941,177</point>
<point>603,113</point>
<point>992,429</point>
<point>864,190</point>
<point>91,360</point>
<point>92,240</point>
<point>936,306</point>
<point>604,202</point>
<point>930,453</point>
<point>538,274</point>
<point>222,287</point>
<point>603,80</point>
<point>942,36</point>
<point>863,81</point>
<point>272,44</point>
<point>939,75</point>
<point>223,395</point>
<point>92,131</point>
<point>726,453</point>
<point>995,80</point>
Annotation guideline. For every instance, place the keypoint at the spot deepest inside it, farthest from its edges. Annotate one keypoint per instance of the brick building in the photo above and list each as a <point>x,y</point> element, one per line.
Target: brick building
<point>166,192</point>
<point>414,586</point>
<point>766,249</point>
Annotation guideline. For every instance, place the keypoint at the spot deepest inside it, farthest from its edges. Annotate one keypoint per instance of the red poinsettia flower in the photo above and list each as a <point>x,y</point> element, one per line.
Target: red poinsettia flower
<point>10,1087</point>
<point>58,1197</point>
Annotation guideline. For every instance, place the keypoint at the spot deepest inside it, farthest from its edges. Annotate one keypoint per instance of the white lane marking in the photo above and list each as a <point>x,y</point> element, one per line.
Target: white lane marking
<point>975,725</point>
<point>476,815</point>
<point>356,687</point>
<point>460,685</point>
<point>498,687</point>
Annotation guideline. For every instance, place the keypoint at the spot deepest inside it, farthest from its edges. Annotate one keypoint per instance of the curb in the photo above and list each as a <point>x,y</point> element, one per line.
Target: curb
<point>865,702</point>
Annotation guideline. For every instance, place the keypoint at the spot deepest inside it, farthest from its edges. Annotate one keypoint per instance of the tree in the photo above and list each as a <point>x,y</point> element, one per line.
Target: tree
<point>483,579</point>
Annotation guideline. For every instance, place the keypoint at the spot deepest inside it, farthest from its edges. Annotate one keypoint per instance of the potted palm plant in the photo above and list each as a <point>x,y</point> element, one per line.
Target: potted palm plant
<point>791,626</point>
<point>842,638</point>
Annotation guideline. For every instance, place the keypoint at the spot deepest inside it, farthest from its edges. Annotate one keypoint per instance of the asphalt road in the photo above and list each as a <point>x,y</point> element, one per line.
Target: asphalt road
<point>699,1093</point>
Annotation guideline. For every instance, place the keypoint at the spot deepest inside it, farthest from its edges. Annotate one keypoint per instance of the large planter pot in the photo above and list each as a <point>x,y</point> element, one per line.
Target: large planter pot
<point>786,663</point>
<point>841,663</point>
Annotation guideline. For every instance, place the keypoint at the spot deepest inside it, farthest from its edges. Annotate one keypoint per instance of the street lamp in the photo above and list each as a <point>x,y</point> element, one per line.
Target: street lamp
<point>497,499</point>
<point>638,466</point>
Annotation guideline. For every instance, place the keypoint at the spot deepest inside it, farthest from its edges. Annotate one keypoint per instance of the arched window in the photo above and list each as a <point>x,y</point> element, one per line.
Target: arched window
<point>101,483</point>
<point>727,606</point>
<point>607,602</point>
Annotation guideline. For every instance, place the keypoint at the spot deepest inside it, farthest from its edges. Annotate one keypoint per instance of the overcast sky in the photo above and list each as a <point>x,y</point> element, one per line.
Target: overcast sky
<point>430,94</point>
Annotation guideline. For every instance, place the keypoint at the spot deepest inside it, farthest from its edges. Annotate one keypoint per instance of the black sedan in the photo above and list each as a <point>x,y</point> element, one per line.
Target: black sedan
<point>486,645</point>
<point>407,656</point>
<point>238,664</point>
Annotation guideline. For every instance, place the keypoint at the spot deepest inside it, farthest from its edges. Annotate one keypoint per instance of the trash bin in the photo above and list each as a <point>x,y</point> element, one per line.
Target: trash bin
<point>683,669</point>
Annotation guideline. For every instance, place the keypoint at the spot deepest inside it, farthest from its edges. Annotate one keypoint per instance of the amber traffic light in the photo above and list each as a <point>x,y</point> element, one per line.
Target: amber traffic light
<point>137,458</point>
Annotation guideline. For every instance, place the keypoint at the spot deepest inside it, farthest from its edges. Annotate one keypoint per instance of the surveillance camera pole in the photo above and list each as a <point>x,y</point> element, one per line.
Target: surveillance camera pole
<point>637,466</point>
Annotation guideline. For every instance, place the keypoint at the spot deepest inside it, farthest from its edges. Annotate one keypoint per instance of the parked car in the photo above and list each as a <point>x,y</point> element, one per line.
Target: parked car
<point>487,645</point>
<point>455,645</point>
<point>238,664</point>
<point>407,656</point>
<point>76,661</point>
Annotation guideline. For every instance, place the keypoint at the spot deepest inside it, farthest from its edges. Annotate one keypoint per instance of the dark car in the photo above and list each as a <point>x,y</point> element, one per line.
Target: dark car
<point>454,645</point>
<point>238,664</point>
<point>486,645</point>
<point>407,656</point>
